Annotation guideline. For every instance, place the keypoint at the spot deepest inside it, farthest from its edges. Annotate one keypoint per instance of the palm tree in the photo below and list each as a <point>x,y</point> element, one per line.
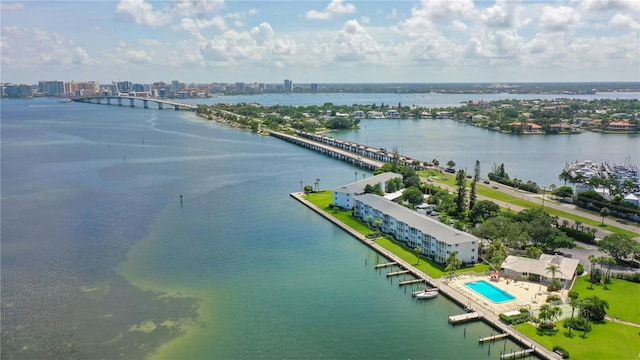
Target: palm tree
<point>356,176</point>
<point>418,252</point>
<point>573,295</point>
<point>553,269</point>
<point>452,263</point>
<point>451,164</point>
<point>604,212</point>
<point>565,175</point>
<point>301,189</point>
<point>317,182</point>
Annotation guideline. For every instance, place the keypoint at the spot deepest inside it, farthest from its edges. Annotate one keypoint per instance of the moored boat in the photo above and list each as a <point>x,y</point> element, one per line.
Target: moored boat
<point>426,293</point>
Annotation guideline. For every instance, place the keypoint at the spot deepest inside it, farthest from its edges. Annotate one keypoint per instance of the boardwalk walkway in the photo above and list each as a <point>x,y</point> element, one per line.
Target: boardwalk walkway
<point>441,284</point>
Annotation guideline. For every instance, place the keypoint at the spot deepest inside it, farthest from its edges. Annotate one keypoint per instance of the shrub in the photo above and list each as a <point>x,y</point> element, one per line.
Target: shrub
<point>580,269</point>
<point>553,298</point>
<point>561,351</point>
<point>633,277</point>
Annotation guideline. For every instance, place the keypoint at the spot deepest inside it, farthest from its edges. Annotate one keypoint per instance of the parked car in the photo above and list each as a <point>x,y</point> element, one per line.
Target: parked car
<point>487,182</point>
<point>494,187</point>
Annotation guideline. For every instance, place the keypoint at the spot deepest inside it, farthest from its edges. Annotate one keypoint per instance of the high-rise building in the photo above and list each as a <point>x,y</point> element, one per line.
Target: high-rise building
<point>175,86</point>
<point>18,91</point>
<point>51,88</point>
<point>314,88</point>
<point>288,85</point>
<point>240,87</point>
<point>124,86</point>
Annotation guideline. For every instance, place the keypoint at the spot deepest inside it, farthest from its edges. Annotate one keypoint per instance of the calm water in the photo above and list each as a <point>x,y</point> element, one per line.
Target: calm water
<point>101,258</point>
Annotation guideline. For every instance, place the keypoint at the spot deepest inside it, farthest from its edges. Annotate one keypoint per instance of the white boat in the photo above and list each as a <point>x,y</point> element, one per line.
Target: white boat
<point>426,294</point>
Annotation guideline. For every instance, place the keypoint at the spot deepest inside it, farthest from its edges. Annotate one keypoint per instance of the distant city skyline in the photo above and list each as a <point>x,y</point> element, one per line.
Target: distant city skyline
<point>334,41</point>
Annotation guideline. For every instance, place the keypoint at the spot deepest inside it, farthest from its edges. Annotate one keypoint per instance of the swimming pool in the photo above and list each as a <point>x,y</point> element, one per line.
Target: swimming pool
<point>489,291</point>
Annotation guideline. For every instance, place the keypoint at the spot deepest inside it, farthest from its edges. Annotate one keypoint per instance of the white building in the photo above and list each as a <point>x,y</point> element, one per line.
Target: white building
<point>358,114</point>
<point>393,114</point>
<point>343,195</point>
<point>375,115</point>
<point>436,239</point>
<point>520,267</point>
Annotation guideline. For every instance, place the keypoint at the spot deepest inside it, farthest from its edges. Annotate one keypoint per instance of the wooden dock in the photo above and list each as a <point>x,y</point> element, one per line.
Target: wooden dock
<point>492,338</point>
<point>409,282</point>
<point>516,354</point>
<point>378,266</point>
<point>457,319</point>
<point>401,272</point>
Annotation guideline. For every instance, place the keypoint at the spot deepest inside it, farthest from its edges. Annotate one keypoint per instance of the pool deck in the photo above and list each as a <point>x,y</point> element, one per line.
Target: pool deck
<point>527,294</point>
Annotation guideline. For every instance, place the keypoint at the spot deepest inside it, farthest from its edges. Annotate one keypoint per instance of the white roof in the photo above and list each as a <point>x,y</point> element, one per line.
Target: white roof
<point>566,267</point>
<point>425,224</point>
<point>358,186</point>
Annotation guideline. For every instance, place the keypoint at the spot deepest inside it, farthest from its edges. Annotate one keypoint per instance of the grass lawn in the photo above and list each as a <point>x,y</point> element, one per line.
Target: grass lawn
<point>323,199</point>
<point>605,341</point>
<point>623,297</point>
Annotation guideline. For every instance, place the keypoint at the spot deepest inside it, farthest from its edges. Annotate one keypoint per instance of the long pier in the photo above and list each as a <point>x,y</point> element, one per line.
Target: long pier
<point>395,273</point>
<point>487,315</point>
<point>360,155</point>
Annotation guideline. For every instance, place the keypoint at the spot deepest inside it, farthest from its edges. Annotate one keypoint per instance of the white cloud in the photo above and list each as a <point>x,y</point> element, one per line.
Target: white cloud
<point>459,25</point>
<point>614,5</point>
<point>143,13</point>
<point>335,8</point>
<point>504,14</point>
<point>31,48</point>
<point>195,26</point>
<point>625,21</point>
<point>559,18</point>
<point>11,7</point>
<point>392,15</point>
<point>365,19</point>
<point>197,8</point>
<point>439,9</point>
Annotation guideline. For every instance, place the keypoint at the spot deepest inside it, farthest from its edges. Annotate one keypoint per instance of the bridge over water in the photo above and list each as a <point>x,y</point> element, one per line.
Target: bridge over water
<point>109,100</point>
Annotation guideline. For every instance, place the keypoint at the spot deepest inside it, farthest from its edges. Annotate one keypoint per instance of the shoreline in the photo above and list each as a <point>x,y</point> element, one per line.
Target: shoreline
<point>452,294</point>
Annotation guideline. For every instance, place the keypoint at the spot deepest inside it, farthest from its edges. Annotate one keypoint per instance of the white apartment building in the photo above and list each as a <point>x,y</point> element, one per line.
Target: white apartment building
<point>343,196</point>
<point>436,239</point>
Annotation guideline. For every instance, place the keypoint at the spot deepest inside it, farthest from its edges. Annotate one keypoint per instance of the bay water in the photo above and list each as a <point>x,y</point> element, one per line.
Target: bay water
<point>130,232</point>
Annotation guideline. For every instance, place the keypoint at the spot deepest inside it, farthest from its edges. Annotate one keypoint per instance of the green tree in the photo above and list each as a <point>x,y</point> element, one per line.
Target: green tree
<point>472,193</point>
<point>452,263</point>
<point>483,210</point>
<point>565,175</point>
<point>573,295</point>
<point>618,246</point>
<point>462,189</point>
<point>495,254</point>
<point>604,212</point>
<point>533,252</point>
<point>418,250</point>
<point>435,162</point>
<point>308,189</point>
<point>594,308</point>
<point>451,164</point>
<point>553,269</point>
<point>413,195</point>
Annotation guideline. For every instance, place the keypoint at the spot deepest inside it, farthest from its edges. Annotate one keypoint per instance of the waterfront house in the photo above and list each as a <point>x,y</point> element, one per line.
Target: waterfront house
<point>375,115</point>
<point>434,238</point>
<point>621,125</point>
<point>479,118</point>
<point>520,268</point>
<point>426,115</point>
<point>343,196</point>
<point>393,114</point>
<point>358,114</point>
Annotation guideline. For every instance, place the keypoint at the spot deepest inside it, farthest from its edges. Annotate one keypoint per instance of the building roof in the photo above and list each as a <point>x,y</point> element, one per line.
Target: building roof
<point>358,186</point>
<point>425,224</point>
<point>566,267</point>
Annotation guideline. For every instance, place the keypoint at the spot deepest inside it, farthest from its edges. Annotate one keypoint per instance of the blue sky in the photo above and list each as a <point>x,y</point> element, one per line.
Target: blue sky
<point>320,41</point>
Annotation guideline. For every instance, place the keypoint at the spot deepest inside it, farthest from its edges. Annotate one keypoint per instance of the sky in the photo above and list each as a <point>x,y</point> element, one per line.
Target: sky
<point>337,41</point>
